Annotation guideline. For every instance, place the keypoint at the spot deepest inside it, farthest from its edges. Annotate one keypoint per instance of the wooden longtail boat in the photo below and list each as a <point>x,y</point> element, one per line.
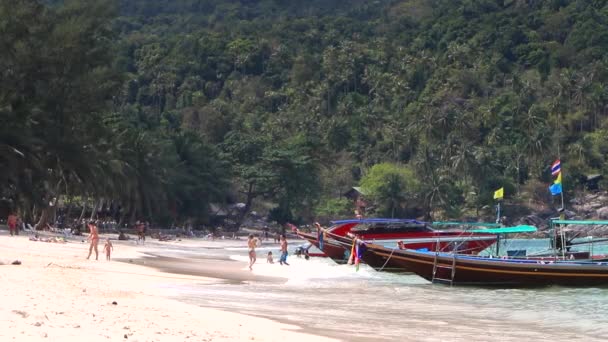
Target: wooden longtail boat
<point>458,269</point>
<point>561,242</point>
<point>387,265</point>
<point>414,234</point>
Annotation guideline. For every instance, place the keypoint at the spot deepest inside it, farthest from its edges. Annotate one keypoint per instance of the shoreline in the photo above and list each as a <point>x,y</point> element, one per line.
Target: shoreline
<point>225,271</point>
<point>56,293</point>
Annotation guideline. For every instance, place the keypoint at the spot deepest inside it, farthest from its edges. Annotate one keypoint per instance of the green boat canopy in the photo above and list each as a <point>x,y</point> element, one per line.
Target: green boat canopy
<point>506,230</point>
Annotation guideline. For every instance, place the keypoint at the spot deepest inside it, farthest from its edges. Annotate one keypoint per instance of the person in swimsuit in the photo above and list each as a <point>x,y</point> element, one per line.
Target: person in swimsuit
<point>251,244</point>
<point>94,238</point>
<point>283,259</point>
<point>108,248</point>
<point>141,232</point>
<point>12,224</point>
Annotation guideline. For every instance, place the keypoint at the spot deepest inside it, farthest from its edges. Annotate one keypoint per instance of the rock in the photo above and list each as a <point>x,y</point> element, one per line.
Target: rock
<point>533,220</point>
<point>16,262</point>
<point>114,303</point>
<point>21,313</point>
<point>602,213</point>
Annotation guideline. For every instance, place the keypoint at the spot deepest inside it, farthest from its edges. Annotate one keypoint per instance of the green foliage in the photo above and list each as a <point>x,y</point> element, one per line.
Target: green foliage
<point>334,207</point>
<point>296,98</point>
<point>393,188</point>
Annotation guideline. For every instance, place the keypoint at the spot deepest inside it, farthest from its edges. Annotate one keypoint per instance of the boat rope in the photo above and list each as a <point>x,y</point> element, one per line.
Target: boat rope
<point>389,258</point>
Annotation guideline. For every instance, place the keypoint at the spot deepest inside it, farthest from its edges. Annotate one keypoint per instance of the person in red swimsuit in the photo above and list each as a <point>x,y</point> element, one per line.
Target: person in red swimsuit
<point>11,222</point>
<point>94,238</point>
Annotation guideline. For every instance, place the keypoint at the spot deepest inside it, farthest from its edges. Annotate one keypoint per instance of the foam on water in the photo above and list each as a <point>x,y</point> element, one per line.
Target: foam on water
<point>312,273</point>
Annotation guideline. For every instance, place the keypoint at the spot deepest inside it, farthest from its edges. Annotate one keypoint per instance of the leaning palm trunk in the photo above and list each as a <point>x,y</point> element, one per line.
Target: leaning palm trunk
<point>84,209</point>
<point>98,205</point>
<point>45,215</point>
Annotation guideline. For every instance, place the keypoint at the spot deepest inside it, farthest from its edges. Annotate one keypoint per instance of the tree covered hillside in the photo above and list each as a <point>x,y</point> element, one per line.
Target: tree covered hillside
<point>293,102</point>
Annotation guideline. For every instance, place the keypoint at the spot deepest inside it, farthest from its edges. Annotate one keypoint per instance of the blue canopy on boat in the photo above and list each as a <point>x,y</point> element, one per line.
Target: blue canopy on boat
<point>454,223</point>
<point>506,230</point>
<point>377,220</point>
<point>582,222</point>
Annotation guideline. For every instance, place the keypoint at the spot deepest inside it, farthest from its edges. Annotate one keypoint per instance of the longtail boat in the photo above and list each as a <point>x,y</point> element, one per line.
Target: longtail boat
<point>561,241</point>
<point>387,265</point>
<point>335,241</point>
<point>458,269</point>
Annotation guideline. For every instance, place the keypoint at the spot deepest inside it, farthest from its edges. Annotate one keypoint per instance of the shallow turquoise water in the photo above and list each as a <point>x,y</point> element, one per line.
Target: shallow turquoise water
<point>335,300</point>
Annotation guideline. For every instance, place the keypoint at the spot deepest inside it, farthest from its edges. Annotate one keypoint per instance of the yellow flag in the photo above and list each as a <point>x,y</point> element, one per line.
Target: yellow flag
<point>558,180</point>
<point>500,193</point>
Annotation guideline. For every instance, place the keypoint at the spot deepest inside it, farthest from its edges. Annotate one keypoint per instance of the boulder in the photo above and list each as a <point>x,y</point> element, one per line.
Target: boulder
<point>602,213</point>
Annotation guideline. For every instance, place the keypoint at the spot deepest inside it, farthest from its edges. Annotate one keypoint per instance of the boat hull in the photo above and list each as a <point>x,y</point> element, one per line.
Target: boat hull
<point>331,248</point>
<point>338,247</point>
<point>470,270</point>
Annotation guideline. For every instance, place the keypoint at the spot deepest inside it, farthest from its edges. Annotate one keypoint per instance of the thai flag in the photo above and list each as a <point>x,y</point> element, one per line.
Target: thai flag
<point>556,167</point>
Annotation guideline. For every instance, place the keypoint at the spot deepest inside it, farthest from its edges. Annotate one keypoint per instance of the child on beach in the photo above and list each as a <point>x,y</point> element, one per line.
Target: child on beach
<point>269,258</point>
<point>108,248</point>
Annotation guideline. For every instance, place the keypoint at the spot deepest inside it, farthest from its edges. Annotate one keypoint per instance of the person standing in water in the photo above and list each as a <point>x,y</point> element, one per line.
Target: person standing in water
<point>252,243</point>
<point>283,259</point>
<point>94,238</point>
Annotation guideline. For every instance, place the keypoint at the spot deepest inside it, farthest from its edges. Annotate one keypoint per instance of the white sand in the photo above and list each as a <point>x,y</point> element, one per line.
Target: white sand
<point>58,295</point>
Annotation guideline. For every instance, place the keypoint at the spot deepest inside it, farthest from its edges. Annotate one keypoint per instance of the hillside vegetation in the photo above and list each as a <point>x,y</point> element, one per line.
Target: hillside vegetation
<point>163,107</point>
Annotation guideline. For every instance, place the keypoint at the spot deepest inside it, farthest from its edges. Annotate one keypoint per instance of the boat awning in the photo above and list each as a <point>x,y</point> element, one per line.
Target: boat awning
<point>506,230</point>
<point>376,220</point>
<point>454,223</point>
<point>589,222</point>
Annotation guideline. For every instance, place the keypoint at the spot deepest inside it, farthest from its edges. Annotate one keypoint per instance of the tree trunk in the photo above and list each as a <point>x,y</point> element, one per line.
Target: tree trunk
<point>97,206</point>
<point>133,214</point>
<point>84,209</point>
<point>46,214</point>
<point>33,213</point>
<point>243,213</point>
<point>68,212</point>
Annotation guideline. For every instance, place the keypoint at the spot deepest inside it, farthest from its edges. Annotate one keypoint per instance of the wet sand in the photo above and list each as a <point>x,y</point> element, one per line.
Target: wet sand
<point>225,269</point>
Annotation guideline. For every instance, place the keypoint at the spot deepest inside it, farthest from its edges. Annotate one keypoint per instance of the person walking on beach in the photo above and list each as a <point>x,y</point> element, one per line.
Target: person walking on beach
<point>108,248</point>
<point>11,222</point>
<point>94,238</point>
<point>252,243</point>
<point>283,259</point>
<point>141,232</point>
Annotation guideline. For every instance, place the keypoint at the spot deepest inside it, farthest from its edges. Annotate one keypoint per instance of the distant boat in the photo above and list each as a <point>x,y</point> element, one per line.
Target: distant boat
<point>407,233</point>
<point>458,269</point>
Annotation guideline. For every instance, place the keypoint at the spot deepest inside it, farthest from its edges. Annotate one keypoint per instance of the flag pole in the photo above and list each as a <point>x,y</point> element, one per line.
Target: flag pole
<point>562,195</point>
<point>498,212</point>
<point>562,183</point>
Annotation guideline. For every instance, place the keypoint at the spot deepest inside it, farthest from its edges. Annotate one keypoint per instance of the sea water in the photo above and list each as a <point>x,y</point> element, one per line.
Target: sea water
<point>336,300</point>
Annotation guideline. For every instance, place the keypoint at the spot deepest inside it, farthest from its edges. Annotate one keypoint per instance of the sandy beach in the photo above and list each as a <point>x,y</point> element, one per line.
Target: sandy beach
<point>58,295</point>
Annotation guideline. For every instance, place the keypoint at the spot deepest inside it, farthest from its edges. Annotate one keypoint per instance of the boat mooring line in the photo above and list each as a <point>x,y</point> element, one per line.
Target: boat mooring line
<point>389,258</point>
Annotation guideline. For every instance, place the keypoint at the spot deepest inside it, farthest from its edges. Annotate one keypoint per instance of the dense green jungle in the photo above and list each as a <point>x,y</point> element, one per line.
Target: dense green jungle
<point>164,109</point>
